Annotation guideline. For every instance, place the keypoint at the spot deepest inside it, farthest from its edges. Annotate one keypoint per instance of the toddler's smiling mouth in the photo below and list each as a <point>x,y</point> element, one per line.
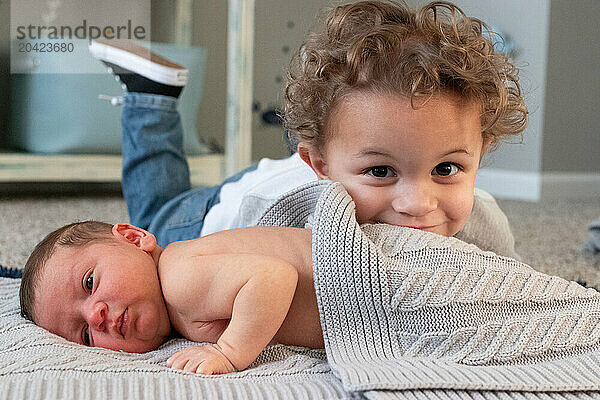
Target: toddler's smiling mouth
<point>423,228</point>
<point>420,227</point>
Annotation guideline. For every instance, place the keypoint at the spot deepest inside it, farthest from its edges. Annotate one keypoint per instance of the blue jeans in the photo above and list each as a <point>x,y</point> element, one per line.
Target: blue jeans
<point>155,177</point>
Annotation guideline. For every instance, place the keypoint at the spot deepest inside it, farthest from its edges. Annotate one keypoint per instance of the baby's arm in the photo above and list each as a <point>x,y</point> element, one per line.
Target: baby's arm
<point>255,291</point>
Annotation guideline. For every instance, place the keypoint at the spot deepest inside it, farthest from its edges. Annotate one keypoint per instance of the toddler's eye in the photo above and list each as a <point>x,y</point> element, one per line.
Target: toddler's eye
<point>89,282</point>
<point>445,169</point>
<point>86,336</point>
<point>381,171</point>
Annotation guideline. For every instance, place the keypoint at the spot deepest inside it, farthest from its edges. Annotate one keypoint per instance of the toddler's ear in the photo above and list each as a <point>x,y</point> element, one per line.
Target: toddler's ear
<point>134,235</point>
<point>314,159</point>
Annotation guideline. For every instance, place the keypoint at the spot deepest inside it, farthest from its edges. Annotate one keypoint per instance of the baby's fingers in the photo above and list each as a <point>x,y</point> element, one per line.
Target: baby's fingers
<point>193,366</point>
<point>201,359</point>
<point>191,358</point>
<point>212,366</point>
<point>178,360</point>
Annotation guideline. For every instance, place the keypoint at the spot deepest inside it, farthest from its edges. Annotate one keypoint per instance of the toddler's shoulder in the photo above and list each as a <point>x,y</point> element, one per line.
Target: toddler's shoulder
<point>483,195</point>
<point>488,227</point>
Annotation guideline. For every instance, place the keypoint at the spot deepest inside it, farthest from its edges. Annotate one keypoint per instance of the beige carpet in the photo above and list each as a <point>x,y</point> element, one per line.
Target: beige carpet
<point>549,235</point>
<point>26,220</point>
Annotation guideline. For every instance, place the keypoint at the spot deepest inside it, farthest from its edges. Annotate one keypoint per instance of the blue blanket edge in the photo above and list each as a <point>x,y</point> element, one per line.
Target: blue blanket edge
<point>10,272</point>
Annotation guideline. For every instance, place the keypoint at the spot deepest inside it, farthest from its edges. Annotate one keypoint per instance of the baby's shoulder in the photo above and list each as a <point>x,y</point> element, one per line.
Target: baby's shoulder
<point>173,260</point>
<point>181,273</point>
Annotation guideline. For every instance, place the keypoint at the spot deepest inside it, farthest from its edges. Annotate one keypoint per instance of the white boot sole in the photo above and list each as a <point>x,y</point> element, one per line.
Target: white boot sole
<point>140,60</point>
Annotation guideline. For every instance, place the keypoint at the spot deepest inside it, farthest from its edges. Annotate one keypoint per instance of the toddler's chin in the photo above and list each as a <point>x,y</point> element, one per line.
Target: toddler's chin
<point>456,227</point>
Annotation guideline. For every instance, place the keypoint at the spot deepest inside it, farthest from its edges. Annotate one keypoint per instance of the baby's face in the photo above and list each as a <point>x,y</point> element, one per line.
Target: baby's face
<point>106,294</point>
<point>406,167</point>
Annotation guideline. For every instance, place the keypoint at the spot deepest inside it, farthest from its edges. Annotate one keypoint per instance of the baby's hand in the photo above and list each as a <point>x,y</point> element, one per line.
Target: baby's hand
<point>207,359</point>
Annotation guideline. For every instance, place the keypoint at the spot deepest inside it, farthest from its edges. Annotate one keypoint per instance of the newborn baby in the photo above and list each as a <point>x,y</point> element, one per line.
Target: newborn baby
<point>112,286</point>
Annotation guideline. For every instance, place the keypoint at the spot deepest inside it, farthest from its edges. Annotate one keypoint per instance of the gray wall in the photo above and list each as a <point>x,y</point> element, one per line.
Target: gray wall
<point>571,140</point>
<point>278,34</point>
<point>162,20</point>
<point>209,30</point>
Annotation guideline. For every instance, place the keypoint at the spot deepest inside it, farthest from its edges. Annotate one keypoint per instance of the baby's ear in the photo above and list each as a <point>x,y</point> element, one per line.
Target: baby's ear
<point>134,235</point>
<point>314,159</point>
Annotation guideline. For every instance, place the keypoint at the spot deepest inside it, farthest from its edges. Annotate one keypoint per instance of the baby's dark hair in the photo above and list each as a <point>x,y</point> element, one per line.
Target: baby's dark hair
<point>77,234</point>
<point>383,47</point>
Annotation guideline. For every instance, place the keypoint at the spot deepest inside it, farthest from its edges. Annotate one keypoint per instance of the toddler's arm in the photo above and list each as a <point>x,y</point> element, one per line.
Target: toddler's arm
<point>255,291</point>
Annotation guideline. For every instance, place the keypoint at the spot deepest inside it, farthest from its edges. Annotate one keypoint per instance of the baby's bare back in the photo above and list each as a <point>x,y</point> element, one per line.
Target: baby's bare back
<point>301,326</point>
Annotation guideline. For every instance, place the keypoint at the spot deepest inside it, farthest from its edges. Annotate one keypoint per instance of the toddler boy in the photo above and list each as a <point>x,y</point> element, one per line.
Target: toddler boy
<point>398,105</point>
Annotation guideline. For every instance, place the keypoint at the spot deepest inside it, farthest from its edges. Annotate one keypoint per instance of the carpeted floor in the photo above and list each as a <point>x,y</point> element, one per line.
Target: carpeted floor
<point>26,220</point>
<point>549,235</point>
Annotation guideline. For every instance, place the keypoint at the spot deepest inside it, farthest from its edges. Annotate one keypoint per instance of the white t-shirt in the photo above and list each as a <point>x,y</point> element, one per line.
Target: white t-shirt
<point>265,184</point>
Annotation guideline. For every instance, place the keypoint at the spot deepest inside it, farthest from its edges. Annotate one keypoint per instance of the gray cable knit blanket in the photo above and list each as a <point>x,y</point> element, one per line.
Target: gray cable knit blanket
<point>405,314</point>
<point>406,309</point>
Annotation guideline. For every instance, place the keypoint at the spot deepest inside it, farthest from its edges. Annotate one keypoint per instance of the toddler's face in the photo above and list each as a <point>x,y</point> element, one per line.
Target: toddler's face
<point>105,295</point>
<point>406,167</point>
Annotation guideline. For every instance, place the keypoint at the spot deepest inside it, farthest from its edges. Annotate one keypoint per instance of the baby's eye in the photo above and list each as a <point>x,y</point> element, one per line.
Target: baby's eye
<point>89,282</point>
<point>381,171</point>
<point>445,169</point>
<point>86,336</point>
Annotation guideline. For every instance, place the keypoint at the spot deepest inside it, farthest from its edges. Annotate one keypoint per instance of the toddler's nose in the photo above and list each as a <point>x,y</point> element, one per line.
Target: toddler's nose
<point>415,201</point>
<point>96,316</point>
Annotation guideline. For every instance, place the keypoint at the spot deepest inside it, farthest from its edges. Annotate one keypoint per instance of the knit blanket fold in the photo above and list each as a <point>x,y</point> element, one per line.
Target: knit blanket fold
<point>406,309</point>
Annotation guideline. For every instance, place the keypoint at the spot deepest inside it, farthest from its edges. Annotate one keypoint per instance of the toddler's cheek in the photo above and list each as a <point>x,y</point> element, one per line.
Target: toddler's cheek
<point>458,212</point>
<point>368,205</point>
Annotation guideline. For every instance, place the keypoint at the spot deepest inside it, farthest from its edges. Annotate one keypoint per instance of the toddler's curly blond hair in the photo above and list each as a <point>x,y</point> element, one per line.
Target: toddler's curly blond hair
<point>385,47</point>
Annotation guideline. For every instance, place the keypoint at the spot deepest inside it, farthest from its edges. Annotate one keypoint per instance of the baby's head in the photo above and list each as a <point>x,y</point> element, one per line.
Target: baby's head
<point>400,105</point>
<point>97,284</point>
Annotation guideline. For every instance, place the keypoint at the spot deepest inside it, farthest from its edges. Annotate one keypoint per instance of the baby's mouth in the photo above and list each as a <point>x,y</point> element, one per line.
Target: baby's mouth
<point>123,323</point>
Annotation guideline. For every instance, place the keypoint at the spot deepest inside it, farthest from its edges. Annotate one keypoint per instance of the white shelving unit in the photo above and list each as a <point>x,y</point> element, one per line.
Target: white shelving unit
<point>240,56</point>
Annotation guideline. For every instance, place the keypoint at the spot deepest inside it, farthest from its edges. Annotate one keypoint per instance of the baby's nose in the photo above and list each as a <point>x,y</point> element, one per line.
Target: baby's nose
<point>96,316</point>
